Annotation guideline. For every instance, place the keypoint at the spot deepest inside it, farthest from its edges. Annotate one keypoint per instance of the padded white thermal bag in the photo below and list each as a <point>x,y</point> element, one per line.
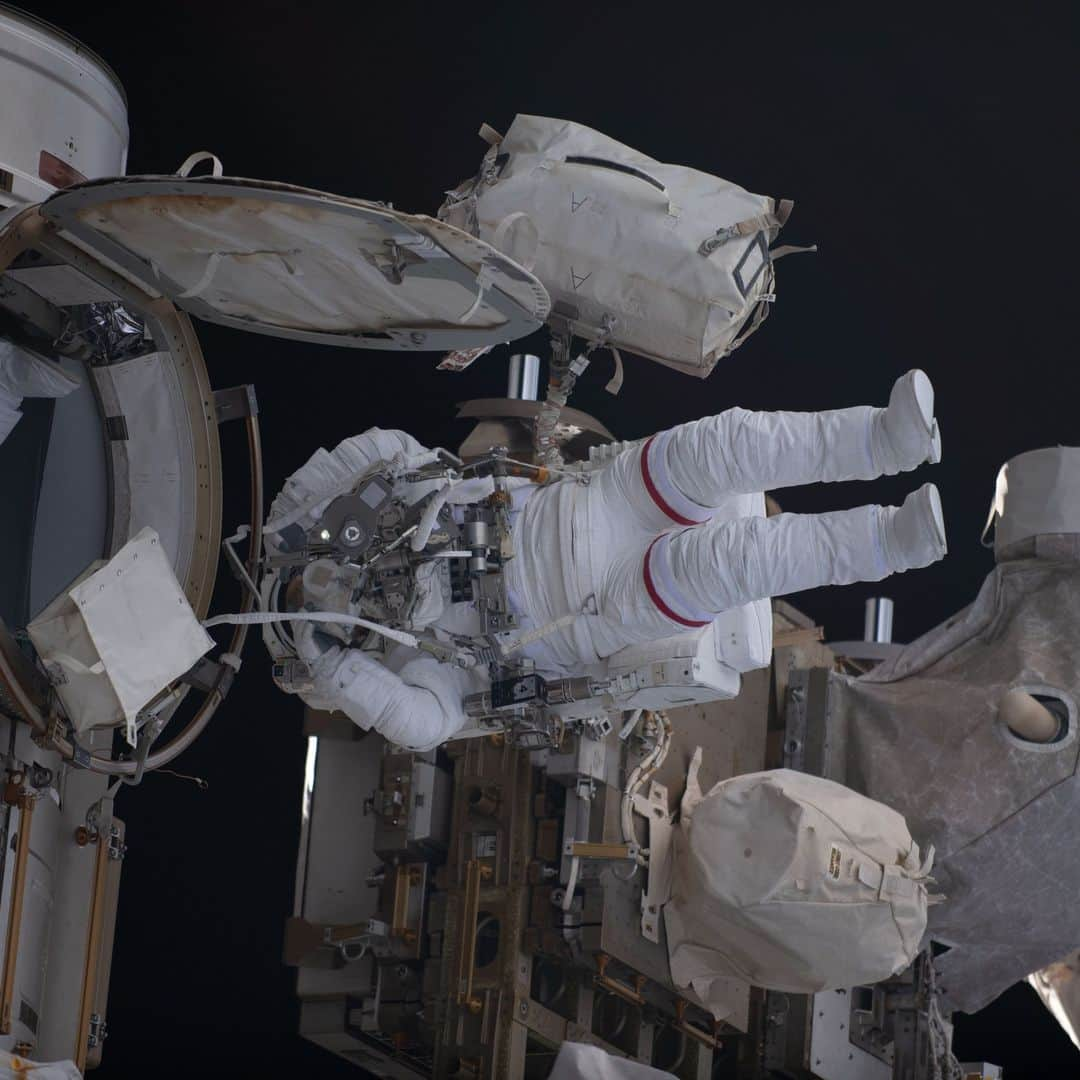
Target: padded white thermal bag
<point>14,1067</point>
<point>662,260</point>
<point>792,882</point>
<point>579,1061</point>
<point>119,636</point>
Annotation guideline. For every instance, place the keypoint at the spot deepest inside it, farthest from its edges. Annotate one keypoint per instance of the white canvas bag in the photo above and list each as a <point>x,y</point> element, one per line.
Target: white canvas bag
<point>662,260</point>
<point>580,1061</point>
<point>13,1067</point>
<point>792,882</point>
<point>119,636</point>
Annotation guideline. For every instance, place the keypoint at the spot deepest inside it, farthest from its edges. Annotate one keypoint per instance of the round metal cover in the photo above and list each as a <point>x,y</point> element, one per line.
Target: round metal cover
<point>296,263</point>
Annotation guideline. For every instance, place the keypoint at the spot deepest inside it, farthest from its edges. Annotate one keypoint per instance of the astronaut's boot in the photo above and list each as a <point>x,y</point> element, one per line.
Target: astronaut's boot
<point>682,580</point>
<point>693,468</point>
<point>914,534</point>
<point>905,434</point>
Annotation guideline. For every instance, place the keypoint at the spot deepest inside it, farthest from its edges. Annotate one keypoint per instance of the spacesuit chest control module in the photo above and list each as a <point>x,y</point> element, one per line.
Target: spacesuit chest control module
<point>400,564</point>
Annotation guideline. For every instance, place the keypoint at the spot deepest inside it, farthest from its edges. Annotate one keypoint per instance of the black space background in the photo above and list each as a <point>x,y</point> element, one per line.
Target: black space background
<point>930,157</point>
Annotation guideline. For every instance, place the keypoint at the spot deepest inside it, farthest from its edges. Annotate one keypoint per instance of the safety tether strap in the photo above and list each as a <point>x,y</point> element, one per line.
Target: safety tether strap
<point>199,156</point>
<point>773,219</point>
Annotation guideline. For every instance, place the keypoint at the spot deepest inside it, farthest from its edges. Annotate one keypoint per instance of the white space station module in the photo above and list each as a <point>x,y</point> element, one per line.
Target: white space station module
<point>581,796</point>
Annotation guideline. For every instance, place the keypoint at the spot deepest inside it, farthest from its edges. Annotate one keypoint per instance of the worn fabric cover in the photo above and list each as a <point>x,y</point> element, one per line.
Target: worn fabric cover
<point>252,254</point>
<point>119,636</point>
<point>616,235</point>
<point>579,1061</point>
<point>791,882</point>
<point>923,736</point>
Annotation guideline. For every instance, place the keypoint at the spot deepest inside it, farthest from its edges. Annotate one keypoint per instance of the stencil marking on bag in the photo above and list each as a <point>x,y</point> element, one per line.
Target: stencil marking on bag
<point>834,863</point>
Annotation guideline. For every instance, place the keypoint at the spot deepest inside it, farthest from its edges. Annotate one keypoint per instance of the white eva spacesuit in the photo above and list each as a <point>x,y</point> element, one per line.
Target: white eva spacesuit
<point>666,536</point>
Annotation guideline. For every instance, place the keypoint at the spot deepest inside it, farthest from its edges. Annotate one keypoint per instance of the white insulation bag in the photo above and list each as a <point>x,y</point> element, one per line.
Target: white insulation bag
<point>14,1067</point>
<point>662,260</point>
<point>792,882</point>
<point>579,1061</point>
<point>119,636</point>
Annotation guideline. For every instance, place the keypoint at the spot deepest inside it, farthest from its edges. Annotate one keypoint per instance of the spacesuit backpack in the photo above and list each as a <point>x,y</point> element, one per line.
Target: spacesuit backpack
<point>792,882</point>
<point>665,261</point>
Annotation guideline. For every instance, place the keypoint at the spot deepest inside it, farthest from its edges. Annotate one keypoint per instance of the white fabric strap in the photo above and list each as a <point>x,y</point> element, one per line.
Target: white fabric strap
<point>871,874</point>
<point>614,384</point>
<point>199,156</point>
<point>526,258</point>
<point>530,637</point>
<point>770,220</point>
<point>791,249</point>
<point>203,283</point>
<point>261,618</point>
<point>485,278</point>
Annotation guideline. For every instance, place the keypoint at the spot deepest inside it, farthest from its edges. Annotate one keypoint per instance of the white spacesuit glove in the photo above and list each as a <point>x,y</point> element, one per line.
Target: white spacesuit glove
<point>418,708</point>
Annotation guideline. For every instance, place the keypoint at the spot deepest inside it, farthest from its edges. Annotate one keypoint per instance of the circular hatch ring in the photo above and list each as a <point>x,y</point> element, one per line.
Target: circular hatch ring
<point>192,454</point>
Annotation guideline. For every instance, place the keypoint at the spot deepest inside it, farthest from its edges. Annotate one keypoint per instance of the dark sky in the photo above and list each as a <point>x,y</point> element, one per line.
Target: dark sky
<point>930,158</point>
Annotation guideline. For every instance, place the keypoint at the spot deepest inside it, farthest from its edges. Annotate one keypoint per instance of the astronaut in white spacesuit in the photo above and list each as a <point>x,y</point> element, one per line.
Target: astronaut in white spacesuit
<point>667,536</point>
<point>24,375</point>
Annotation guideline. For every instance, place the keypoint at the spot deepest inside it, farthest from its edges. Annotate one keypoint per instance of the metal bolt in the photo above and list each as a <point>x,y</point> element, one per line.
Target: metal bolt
<point>351,534</point>
<point>523,1008</point>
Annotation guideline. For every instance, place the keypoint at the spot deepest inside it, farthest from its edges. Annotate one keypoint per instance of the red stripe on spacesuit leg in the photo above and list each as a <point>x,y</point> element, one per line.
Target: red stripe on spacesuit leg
<point>655,597</point>
<point>651,488</point>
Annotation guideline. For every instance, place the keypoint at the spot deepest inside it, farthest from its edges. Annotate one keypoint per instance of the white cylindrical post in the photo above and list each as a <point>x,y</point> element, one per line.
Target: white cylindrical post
<point>523,382</point>
<point>879,618</point>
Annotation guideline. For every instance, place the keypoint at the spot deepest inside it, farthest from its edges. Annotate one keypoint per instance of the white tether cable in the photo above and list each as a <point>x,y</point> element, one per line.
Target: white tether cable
<point>261,618</point>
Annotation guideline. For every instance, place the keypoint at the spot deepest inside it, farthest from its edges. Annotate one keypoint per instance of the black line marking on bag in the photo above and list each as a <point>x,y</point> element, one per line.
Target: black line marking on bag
<point>602,163</point>
<point>756,245</point>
